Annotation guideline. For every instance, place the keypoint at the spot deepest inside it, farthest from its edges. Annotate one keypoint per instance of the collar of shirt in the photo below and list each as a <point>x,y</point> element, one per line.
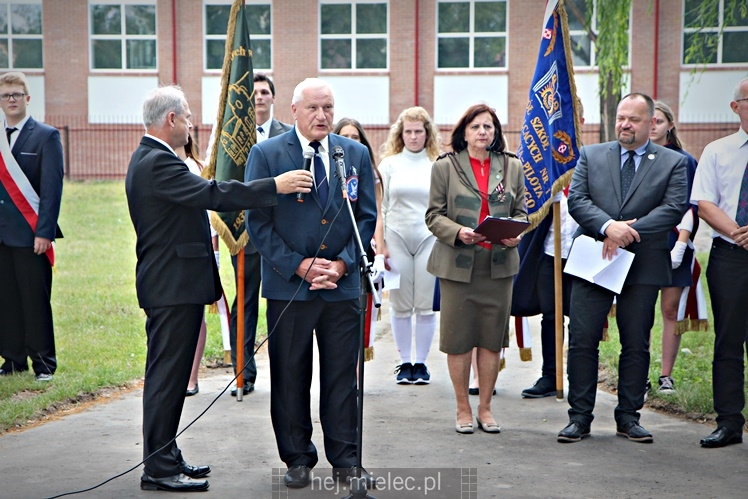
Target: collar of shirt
<point>162,142</point>
<point>265,130</point>
<point>324,150</point>
<point>637,157</point>
<point>19,126</point>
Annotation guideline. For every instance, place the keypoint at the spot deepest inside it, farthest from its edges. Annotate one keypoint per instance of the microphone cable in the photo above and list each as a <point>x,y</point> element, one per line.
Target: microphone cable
<point>232,382</point>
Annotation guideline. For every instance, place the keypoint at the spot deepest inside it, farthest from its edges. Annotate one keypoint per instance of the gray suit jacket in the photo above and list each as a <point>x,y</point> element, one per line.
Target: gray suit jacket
<point>656,199</point>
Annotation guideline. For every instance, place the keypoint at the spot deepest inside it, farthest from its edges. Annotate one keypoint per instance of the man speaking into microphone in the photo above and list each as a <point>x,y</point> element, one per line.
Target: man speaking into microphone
<point>311,280</point>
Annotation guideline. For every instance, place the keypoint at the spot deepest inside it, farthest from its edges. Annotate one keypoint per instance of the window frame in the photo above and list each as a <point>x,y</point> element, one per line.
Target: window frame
<point>471,34</point>
<point>123,37</point>
<point>353,36</point>
<point>11,37</point>
<point>222,37</point>
<point>706,30</point>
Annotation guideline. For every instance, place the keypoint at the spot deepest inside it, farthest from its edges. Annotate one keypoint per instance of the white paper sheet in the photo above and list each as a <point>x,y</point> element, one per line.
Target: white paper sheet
<point>586,261</point>
<point>391,277</point>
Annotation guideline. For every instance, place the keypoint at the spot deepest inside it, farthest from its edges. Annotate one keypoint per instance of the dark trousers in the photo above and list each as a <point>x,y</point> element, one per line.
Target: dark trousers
<point>590,305</point>
<point>336,326</point>
<point>727,278</point>
<point>546,300</point>
<point>251,311</point>
<point>172,338</point>
<point>26,327</point>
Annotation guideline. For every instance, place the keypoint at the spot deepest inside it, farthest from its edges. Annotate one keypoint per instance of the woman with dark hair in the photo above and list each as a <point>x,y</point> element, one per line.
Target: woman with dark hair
<point>665,133</point>
<point>352,129</point>
<point>478,179</point>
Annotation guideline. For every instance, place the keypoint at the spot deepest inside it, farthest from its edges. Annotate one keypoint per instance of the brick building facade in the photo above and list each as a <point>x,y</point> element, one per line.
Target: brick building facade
<point>80,89</point>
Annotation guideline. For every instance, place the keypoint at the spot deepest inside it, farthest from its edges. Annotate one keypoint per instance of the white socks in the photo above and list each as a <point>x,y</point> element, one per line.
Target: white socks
<point>402,331</point>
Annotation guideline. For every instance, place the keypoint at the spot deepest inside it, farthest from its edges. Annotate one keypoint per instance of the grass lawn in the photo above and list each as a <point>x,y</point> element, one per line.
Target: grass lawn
<point>99,329</point>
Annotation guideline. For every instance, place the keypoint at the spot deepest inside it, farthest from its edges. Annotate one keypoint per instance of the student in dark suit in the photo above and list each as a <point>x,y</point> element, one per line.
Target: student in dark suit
<point>176,273</point>
<point>34,158</point>
<point>310,278</point>
<point>267,127</point>
<point>629,194</point>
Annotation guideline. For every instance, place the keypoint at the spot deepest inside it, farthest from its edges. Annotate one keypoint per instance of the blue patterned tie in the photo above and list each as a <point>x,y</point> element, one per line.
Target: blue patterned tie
<point>320,175</point>
<point>741,217</point>
<point>627,174</point>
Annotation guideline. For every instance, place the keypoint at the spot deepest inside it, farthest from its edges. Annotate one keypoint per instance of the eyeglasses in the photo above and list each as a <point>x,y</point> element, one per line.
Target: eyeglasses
<point>744,98</point>
<point>16,96</point>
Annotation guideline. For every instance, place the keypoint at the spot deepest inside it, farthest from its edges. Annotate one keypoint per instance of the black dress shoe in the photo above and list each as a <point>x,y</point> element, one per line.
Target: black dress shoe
<point>194,471</point>
<point>476,391</point>
<point>634,432</point>
<point>348,474</point>
<point>194,391</point>
<point>721,437</point>
<point>249,387</point>
<point>574,432</point>
<point>297,477</point>
<point>543,387</point>
<point>176,483</point>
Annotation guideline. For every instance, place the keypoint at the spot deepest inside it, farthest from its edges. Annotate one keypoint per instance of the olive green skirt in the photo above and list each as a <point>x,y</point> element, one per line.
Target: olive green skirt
<point>475,314</point>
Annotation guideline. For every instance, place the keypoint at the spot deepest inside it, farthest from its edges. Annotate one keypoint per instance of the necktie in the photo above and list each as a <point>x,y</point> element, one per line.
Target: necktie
<point>627,174</point>
<point>320,175</point>
<point>259,129</point>
<point>741,216</point>
<point>9,131</point>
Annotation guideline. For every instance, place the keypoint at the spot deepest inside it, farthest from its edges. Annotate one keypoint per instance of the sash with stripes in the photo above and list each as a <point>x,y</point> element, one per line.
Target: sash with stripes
<point>22,194</point>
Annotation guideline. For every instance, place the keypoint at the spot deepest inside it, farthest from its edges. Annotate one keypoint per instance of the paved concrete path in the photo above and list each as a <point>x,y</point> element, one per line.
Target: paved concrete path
<point>405,427</point>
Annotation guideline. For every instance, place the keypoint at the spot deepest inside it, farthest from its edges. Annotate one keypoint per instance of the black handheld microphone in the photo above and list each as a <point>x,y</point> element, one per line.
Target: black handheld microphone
<point>308,156</point>
<point>338,154</point>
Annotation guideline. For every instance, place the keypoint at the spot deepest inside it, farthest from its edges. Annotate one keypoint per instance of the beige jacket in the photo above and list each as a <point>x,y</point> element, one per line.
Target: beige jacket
<point>453,205</point>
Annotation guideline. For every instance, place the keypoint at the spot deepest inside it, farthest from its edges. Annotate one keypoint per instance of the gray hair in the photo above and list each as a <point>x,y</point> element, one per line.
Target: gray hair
<point>160,102</point>
<point>736,93</point>
<point>310,83</point>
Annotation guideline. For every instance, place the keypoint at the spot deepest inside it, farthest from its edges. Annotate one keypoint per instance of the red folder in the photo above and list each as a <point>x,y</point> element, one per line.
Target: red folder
<point>496,229</point>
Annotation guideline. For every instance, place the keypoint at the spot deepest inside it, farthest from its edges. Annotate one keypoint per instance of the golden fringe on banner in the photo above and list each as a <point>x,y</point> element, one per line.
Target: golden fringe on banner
<point>525,354</point>
<point>685,325</point>
<point>368,354</point>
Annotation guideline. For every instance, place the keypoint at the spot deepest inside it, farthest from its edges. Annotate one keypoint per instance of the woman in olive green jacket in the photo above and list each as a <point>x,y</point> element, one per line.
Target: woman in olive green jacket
<point>477,180</point>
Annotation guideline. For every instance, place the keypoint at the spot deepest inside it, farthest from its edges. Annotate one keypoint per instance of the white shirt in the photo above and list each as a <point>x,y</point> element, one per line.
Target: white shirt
<point>720,173</point>
<point>568,228</point>
<point>164,143</point>
<point>406,180</point>
<point>19,126</point>
<point>324,153</point>
<point>265,134</point>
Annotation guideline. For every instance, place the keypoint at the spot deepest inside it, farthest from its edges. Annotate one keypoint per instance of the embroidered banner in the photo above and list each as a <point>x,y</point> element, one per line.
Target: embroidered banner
<point>235,124</point>
<point>549,146</point>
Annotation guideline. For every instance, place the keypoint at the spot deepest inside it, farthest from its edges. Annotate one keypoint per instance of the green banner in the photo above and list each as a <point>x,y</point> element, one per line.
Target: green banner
<point>235,123</point>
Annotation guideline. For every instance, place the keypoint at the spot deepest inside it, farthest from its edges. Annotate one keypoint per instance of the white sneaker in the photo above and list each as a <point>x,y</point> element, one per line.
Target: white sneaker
<point>667,384</point>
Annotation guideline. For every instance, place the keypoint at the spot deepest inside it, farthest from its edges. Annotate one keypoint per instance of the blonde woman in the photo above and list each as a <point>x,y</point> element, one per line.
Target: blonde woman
<point>406,242</point>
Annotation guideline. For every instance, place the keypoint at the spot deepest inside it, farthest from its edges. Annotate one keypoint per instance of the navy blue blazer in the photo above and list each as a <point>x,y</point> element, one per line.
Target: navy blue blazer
<point>38,151</point>
<point>291,231</point>
<point>167,206</point>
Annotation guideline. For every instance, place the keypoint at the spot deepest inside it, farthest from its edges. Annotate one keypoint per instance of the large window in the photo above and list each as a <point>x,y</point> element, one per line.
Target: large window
<point>353,35</point>
<point>715,36</point>
<point>21,35</point>
<point>582,47</point>
<point>216,24</point>
<point>472,34</point>
<point>123,35</point>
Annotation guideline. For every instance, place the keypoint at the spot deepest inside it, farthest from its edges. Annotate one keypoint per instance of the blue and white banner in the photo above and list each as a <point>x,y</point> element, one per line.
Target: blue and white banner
<point>549,147</point>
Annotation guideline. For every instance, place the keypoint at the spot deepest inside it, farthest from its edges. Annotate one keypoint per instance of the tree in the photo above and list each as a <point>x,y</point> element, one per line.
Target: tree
<point>611,38</point>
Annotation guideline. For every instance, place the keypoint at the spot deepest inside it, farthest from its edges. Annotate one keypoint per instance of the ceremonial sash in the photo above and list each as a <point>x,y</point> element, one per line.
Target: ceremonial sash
<point>21,192</point>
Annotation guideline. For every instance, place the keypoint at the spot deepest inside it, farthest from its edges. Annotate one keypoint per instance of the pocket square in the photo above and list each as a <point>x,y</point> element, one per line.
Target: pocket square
<point>28,153</point>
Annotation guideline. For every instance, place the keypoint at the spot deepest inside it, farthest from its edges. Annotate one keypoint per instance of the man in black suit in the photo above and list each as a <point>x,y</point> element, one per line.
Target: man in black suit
<point>176,273</point>
<point>30,195</point>
<point>310,278</point>
<point>629,194</point>
<point>720,188</point>
<point>267,126</point>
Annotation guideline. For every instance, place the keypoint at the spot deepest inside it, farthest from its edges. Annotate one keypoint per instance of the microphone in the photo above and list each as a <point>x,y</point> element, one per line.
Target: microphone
<point>308,155</point>
<point>338,154</point>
